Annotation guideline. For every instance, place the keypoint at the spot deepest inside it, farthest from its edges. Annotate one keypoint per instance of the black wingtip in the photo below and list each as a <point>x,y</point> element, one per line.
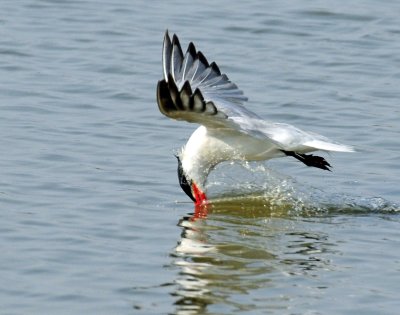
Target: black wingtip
<point>164,101</point>
<point>191,49</point>
<point>177,46</point>
<point>215,68</point>
<point>166,37</point>
<point>202,59</point>
<point>174,93</point>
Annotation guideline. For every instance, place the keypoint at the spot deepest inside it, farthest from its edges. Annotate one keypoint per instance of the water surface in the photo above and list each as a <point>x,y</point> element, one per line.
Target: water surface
<point>92,217</point>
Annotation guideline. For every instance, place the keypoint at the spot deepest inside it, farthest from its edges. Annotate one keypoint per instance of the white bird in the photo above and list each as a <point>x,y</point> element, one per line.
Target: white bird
<point>196,91</point>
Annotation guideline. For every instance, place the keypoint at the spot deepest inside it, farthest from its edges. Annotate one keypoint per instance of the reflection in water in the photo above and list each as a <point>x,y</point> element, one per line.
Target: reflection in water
<point>262,249</point>
<point>237,260</point>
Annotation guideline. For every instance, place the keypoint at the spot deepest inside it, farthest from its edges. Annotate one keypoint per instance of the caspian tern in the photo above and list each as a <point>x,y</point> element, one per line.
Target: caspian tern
<point>196,91</point>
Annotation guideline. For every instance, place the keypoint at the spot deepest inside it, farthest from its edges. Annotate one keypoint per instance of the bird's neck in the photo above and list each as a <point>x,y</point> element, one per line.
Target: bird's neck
<point>196,168</point>
<point>197,162</point>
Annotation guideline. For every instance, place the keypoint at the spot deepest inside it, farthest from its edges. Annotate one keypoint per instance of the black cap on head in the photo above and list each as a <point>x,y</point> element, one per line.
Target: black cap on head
<point>185,184</point>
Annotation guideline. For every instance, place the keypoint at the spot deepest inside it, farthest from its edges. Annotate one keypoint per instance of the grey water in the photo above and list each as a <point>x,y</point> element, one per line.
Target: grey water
<point>92,219</point>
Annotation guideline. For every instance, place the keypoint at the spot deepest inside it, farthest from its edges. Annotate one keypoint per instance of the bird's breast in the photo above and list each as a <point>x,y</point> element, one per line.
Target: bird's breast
<point>218,145</point>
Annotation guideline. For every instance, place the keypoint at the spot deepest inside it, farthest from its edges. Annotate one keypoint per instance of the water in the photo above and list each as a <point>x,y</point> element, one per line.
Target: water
<point>92,218</point>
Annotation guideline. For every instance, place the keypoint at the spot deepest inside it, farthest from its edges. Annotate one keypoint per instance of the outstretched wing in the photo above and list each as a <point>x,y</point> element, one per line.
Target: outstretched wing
<point>196,91</point>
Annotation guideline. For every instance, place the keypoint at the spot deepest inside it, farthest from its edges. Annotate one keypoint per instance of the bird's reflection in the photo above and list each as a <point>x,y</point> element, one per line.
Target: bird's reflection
<point>226,258</point>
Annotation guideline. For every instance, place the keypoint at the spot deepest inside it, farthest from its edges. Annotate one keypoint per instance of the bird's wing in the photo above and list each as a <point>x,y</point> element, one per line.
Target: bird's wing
<point>196,91</point>
<point>288,137</point>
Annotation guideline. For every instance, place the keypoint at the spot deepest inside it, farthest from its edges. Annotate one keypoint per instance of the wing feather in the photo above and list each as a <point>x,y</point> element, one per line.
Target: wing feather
<point>177,58</point>
<point>196,91</point>
<point>166,60</point>
<point>185,95</point>
<point>188,61</point>
<point>214,98</point>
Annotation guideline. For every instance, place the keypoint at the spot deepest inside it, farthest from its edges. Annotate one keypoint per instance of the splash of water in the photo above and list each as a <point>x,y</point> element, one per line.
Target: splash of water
<point>261,186</point>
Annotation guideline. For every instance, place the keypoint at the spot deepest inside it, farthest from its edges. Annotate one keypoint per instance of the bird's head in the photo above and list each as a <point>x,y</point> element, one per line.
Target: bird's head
<point>189,186</point>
